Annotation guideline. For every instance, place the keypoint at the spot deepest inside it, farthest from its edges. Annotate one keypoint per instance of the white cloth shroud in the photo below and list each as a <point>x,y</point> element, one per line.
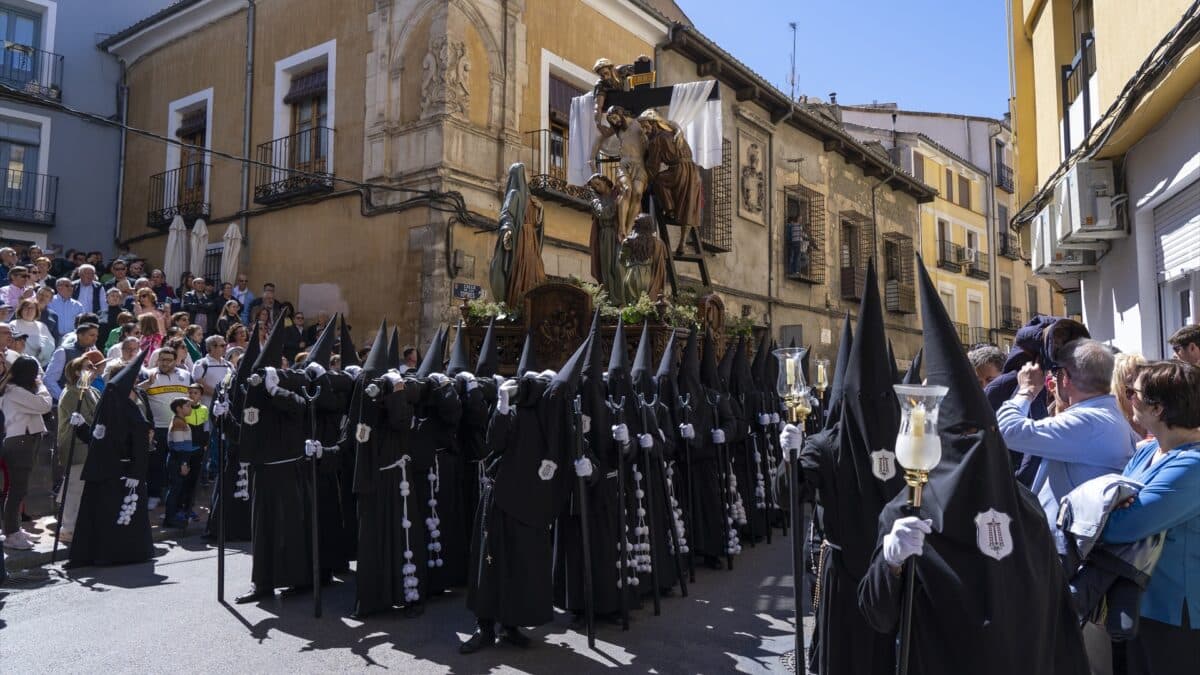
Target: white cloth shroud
<point>700,119</point>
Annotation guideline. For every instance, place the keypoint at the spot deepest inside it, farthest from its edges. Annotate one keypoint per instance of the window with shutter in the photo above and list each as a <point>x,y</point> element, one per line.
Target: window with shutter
<point>804,234</point>
<point>949,185</point>
<point>964,192</point>
<point>918,164</point>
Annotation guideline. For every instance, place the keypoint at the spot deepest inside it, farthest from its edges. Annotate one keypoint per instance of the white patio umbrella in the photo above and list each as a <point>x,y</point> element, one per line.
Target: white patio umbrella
<point>233,250</point>
<point>199,245</point>
<point>175,257</point>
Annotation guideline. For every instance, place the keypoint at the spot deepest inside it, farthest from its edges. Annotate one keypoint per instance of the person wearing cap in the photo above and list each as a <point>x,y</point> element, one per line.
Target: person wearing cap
<point>6,312</point>
<point>78,397</point>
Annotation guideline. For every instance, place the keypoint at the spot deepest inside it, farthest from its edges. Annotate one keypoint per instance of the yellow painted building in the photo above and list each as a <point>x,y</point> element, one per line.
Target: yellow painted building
<point>1104,116</point>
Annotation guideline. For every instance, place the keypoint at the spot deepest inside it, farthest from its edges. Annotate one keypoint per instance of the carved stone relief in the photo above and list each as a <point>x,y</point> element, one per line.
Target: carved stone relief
<point>445,78</point>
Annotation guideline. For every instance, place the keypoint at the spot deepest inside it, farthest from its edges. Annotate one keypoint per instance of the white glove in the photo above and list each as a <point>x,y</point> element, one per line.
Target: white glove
<point>583,467</point>
<point>77,420</point>
<point>271,380</point>
<point>439,378</point>
<point>687,431</point>
<point>620,433</point>
<point>764,419</point>
<point>254,380</point>
<point>791,437</point>
<point>504,396</point>
<point>906,539</point>
<point>468,381</point>
<point>718,436</point>
<point>499,380</point>
<point>314,371</point>
<point>220,408</point>
<point>131,483</point>
<point>774,418</point>
<point>313,448</point>
<point>645,440</point>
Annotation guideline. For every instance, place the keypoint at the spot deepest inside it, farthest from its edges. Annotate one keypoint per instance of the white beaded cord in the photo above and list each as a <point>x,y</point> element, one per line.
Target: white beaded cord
<point>128,507</point>
<point>641,531</point>
<point>411,584</point>
<point>433,521</point>
<point>676,512</point>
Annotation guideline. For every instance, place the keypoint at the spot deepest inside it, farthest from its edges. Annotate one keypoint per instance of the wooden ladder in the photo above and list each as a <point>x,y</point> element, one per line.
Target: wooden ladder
<point>695,256</point>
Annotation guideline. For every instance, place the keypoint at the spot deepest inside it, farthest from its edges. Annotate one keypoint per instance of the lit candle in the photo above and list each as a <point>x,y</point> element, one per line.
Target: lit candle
<point>917,427</point>
<point>790,367</point>
<point>821,380</point>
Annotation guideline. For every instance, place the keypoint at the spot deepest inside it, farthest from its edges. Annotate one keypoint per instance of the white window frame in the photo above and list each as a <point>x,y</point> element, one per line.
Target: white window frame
<point>976,296</point>
<point>43,123</point>
<point>951,290</point>
<point>48,9</point>
<point>175,111</point>
<point>286,69</point>
<point>553,64</point>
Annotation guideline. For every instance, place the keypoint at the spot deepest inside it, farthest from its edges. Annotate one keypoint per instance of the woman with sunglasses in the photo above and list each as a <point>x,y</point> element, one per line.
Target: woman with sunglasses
<point>1165,400</point>
<point>78,395</point>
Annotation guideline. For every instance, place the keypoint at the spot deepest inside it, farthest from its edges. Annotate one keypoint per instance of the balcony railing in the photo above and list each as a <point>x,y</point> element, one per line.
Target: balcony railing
<point>950,256</point>
<point>28,197</point>
<point>1010,245</point>
<point>1076,84</point>
<point>179,192</point>
<point>294,165</point>
<point>977,335</point>
<point>964,335</point>
<point>1010,318</point>
<point>32,71</point>
<point>1004,177</point>
<point>853,279</point>
<point>547,169</point>
<point>977,264</point>
<point>900,297</point>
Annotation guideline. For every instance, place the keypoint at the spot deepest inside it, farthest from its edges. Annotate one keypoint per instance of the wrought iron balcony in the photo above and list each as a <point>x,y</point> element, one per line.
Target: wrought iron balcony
<point>294,165</point>
<point>977,335</point>
<point>964,335</point>
<point>1004,177</point>
<point>32,71</point>
<point>854,280</point>
<point>546,166</point>
<point>977,264</point>
<point>950,256</point>
<point>1010,318</point>
<point>179,192</point>
<point>1075,84</point>
<point>1010,245</point>
<point>900,297</point>
<point>28,197</point>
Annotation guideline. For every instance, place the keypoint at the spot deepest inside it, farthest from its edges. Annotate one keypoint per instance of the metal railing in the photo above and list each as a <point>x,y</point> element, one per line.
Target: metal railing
<point>950,255</point>
<point>977,335</point>
<point>297,165</point>
<point>853,281</point>
<point>32,71</point>
<point>978,265</point>
<point>179,192</point>
<point>1010,245</point>
<point>28,197</point>
<point>900,297</point>
<point>1010,317</point>
<point>1004,177</point>
<point>546,166</point>
<point>1074,83</point>
<point>964,335</point>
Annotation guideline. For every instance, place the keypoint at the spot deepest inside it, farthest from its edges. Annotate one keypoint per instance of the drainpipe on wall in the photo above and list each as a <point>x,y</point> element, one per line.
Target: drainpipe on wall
<point>246,119</point>
<point>993,232</point>
<point>123,112</point>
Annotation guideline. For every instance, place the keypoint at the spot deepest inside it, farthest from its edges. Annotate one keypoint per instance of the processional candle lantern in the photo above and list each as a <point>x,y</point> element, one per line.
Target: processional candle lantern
<point>794,393</point>
<point>822,382</point>
<point>790,385</point>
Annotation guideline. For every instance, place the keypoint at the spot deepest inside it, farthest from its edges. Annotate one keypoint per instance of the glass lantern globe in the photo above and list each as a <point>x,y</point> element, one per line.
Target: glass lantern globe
<point>918,446</point>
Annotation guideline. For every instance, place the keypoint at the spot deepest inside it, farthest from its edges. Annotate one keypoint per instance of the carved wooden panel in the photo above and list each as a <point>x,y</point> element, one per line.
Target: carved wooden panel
<point>559,315</point>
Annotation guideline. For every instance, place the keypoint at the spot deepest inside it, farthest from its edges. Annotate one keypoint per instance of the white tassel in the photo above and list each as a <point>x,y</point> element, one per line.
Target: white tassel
<point>431,523</point>
<point>409,571</point>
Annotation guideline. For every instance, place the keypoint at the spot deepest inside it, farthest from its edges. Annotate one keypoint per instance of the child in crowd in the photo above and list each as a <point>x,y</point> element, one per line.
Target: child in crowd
<point>183,464</point>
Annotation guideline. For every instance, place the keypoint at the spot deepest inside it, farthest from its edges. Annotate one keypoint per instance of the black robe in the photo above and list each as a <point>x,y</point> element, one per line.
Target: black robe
<point>330,406</point>
<point>237,519</point>
<point>122,452</point>
<point>477,407</point>
<point>437,475</point>
<point>281,540</point>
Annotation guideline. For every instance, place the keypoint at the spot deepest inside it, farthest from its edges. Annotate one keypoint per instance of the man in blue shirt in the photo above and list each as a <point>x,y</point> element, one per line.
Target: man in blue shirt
<point>1088,436</point>
<point>64,306</point>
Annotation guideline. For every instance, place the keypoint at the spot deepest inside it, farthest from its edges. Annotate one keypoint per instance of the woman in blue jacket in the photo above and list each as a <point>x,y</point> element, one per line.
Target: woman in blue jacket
<point>1166,401</point>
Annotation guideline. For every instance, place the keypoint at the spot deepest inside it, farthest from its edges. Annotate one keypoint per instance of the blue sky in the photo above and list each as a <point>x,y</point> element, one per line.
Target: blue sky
<point>935,55</point>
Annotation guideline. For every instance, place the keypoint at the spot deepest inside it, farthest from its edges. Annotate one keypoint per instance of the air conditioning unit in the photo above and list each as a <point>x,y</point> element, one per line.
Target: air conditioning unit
<point>970,256</point>
<point>1048,257</point>
<point>1086,194</point>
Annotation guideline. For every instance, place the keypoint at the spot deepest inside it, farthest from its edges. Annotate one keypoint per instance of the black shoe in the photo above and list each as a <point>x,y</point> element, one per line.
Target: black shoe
<point>26,518</point>
<point>513,636</point>
<point>253,595</point>
<point>482,639</point>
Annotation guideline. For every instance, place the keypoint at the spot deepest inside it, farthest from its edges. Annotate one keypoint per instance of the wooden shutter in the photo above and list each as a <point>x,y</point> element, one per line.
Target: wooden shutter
<point>949,185</point>
<point>918,166</point>
<point>964,192</point>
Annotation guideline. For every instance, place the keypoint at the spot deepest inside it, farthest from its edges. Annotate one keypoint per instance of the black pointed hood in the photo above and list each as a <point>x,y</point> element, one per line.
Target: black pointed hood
<point>122,383</point>
<point>322,349</point>
<point>618,357</point>
<point>689,361</point>
<point>394,358</point>
<point>253,349</point>
<point>271,355</point>
<point>742,382</point>
<point>892,362</point>
<point>489,353</point>
<point>376,363</point>
<point>804,365</point>
<point>709,374</point>
<point>348,351</point>
<point>913,375</point>
<point>528,361</point>
<point>833,403</point>
<point>668,365</point>
<point>725,367</point>
<point>459,360</point>
<point>643,365</point>
<point>758,367</point>
<point>432,363</point>
<point>567,380</point>
<point>593,361</point>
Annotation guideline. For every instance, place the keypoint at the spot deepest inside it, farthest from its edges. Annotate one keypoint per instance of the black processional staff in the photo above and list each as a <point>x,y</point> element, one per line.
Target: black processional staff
<point>313,449</point>
<point>688,433</point>
<point>918,451</point>
<point>728,526</point>
<point>748,457</point>
<point>582,488</point>
<point>221,413</point>
<point>621,436</point>
<point>62,503</point>
<point>652,509</point>
<point>795,395</point>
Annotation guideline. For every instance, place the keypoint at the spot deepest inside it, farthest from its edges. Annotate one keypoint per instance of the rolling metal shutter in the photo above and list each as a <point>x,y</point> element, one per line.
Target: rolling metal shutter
<point>1177,232</point>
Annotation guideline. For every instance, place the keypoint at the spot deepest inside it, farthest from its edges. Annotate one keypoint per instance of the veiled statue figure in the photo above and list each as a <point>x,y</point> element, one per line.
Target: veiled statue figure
<point>517,261</point>
<point>644,257</point>
<point>604,243</point>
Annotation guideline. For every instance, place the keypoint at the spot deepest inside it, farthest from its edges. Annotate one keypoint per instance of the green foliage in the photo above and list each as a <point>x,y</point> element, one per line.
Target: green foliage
<point>480,311</point>
<point>737,326</point>
<point>639,311</point>
<point>680,312</point>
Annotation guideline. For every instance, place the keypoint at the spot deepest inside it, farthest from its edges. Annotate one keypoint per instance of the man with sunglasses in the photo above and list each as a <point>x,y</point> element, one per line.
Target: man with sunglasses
<point>1087,437</point>
<point>18,284</point>
<point>1185,342</point>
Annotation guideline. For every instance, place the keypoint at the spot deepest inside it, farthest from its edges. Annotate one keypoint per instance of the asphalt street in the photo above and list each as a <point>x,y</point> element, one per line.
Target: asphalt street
<point>164,617</point>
